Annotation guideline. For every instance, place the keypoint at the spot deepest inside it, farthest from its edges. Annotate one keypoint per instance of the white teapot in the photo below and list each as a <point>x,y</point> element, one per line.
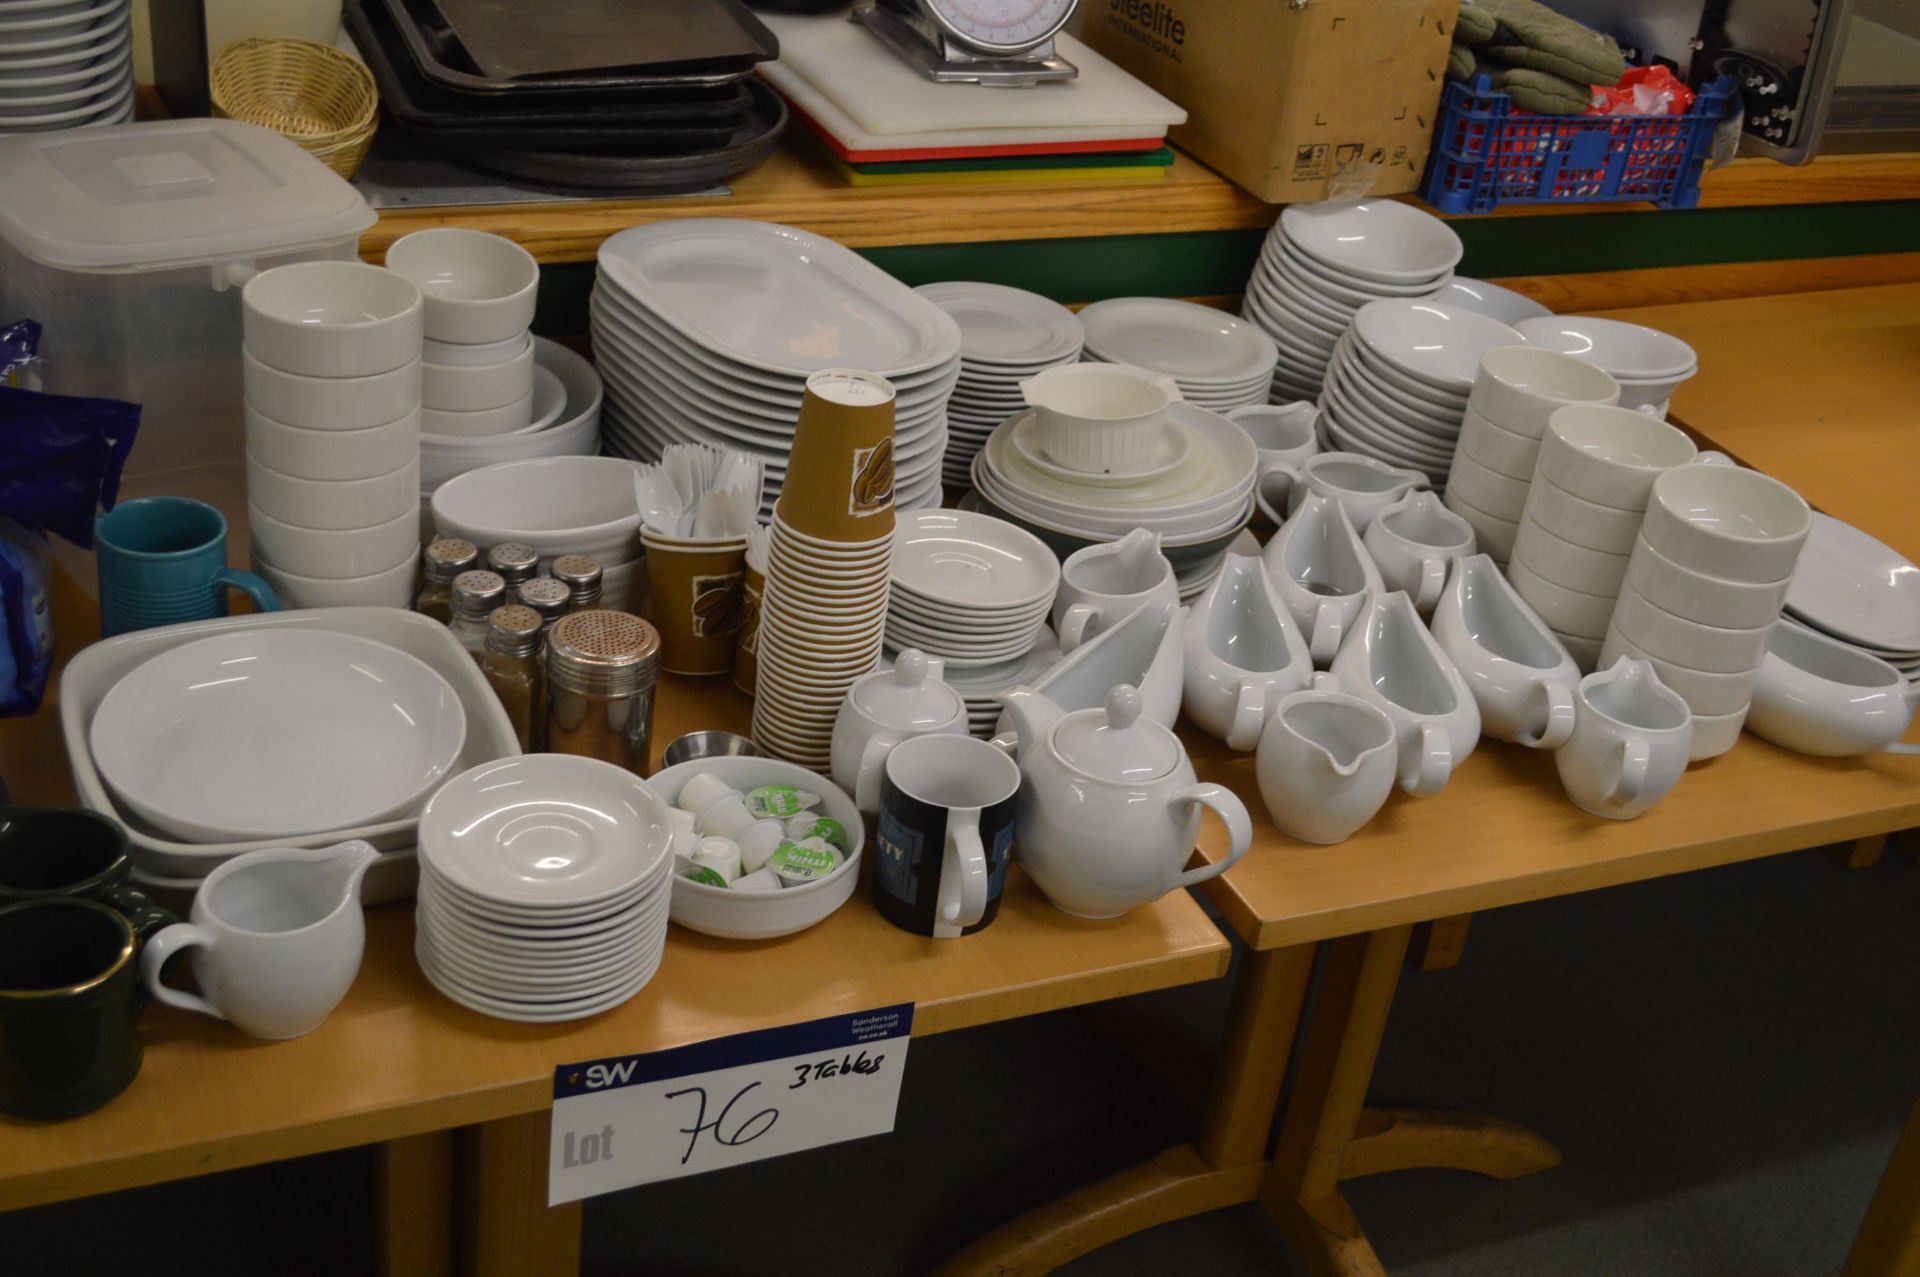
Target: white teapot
<point>1108,807</point>
<point>883,709</point>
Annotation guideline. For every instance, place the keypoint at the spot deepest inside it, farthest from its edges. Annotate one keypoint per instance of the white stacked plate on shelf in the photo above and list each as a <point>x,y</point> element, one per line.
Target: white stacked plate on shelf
<point>65,64</point>
<point>968,588</point>
<point>1006,336</point>
<point>544,887</point>
<point>1219,362</point>
<point>1397,386</point>
<point>705,330</point>
<point>1322,262</point>
<point>1861,591</point>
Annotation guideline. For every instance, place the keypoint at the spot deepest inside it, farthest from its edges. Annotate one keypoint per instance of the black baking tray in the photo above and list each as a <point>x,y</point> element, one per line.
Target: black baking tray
<point>660,174</point>
<point>513,40</point>
<point>432,113</point>
<point>436,52</point>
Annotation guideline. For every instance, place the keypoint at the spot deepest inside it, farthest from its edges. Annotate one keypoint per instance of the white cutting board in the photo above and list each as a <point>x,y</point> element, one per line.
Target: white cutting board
<point>885,97</point>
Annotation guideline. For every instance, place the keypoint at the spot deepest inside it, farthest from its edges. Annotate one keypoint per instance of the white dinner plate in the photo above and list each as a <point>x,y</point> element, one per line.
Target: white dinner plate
<point>1008,327</point>
<point>1189,342</point>
<point>1857,587</point>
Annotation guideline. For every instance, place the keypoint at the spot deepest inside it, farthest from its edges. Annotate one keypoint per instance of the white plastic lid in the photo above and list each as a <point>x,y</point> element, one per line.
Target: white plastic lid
<point>169,193</point>
<point>1116,743</point>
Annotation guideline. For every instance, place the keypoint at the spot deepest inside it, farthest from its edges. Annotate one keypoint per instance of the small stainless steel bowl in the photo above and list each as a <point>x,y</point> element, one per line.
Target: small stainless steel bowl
<point>697,745</point>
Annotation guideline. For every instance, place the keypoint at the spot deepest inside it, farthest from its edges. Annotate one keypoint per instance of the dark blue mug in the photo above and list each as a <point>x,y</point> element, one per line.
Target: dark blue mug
<point>163,560</point>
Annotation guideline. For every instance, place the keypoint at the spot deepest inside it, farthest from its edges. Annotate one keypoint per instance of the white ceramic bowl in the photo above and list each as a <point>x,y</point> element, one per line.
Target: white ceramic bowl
<point>334,505</point>
<point>479,287</point>
<point>1649,394</point>
<point>453,354</point>
<point>576,432</point>
<point>1727,522</point>
<point>330,403</point>
<point>751,915</point>
<point>333,454</point>
<point>1376,239</point>
<point>395,587</point>
<point>1499,495</point>
<point>1683,641</point>
<point>276,732</point>
<point>1583,522</point>
<point>557,505</point>
<point>1703,691</point>
<point>1494,535</point>
<point>1710,599</point>
<point>1519,387</point>
<point>1623,349</point>
<point>1497,448</point>
<point>1578,567</point>
<point>334,555</point>
<point>1491,300</point>
<point>504,420</point>
<point>332,319</point>
<point>453,388</point>
<point>1610,455</point>
<point>1431,341</point>
<point>1566,611</point>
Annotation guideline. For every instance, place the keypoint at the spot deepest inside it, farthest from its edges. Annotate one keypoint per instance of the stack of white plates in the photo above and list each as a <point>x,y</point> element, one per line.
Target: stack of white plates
<point>981,685</point>
<point>969,588</point>
<point>544,886</point>
<point>1397,386</point>
<point>1323,262</point>
<point>1006,336</point>
<point>1861,591</point>
<point>1649,364</point>
<point>1219,362</point>
<point>706,330</point>
<point>65,64</point>
<point>1196,492</point>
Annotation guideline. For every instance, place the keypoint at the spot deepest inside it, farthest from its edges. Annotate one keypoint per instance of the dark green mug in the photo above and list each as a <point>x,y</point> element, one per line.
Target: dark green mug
<point>70,1003</point>
<point>52,852</point>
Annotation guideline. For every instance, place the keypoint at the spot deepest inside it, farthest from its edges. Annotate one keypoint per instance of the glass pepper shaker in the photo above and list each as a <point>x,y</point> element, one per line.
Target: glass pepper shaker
<point>517,673</point>
<point>475,594</point>
<point>514,562</point>
<point>444,560</point>
<point>581,574</point>
<point>546,596</point>
<point>601,668</point>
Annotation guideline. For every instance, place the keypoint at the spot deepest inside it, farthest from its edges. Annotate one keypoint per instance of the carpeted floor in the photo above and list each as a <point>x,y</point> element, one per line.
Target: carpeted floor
<point>1724,1058</point>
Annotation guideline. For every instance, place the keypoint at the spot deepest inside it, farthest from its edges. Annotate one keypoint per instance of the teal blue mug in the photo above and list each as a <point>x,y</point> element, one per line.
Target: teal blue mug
<point>163,560</point>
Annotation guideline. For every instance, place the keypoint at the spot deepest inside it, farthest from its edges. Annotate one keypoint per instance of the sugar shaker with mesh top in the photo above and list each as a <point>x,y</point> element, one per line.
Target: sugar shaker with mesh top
<point>601,669</point>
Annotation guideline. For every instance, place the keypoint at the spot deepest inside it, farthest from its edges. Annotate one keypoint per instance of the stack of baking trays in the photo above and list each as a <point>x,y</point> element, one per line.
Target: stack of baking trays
<point>607,94</point>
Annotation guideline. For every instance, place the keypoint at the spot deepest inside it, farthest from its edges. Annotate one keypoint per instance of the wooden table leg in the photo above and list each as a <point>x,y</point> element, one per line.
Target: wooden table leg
<point>1861,854</point>
<point>1439,944</point>
<point>1328,1133</point>
<point>1888,1244</point>
<point>507,1228</point>
<point>413,1206</point>
<point>1222,1169</point>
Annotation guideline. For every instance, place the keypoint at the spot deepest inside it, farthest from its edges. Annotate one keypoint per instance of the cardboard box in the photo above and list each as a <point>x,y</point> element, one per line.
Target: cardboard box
<point>1296,100</point>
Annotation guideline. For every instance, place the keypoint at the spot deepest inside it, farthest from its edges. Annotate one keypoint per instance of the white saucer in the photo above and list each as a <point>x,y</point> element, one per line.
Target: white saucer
<point>1189,342</point>
<point>971,560</point>
<point>1007,326</point>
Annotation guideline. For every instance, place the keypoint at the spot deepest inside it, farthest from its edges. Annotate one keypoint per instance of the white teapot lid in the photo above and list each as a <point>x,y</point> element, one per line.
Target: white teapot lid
<point>905,696</point>
<point>1115,743</point>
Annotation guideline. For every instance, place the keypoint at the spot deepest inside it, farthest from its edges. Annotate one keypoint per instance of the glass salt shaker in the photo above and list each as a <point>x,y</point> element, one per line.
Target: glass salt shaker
<point>514,669</point>
<point>445,559</point>
<point>581,573</point>
<point>601,669</point>
<point>546,596</point>
<point>514,562</point>
<point>475,594</point>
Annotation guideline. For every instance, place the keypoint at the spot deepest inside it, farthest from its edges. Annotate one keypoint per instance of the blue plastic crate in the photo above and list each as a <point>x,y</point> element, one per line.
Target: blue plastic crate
<point>1486,154</point>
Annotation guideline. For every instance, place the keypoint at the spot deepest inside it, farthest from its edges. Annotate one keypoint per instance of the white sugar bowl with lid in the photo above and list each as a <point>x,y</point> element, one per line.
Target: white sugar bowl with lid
<point>883,709</point>
<point>1109,807</point>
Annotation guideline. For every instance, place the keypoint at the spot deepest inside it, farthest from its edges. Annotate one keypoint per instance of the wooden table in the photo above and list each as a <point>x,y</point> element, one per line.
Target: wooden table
<point>399,1064</point>
<point>1819,389</point>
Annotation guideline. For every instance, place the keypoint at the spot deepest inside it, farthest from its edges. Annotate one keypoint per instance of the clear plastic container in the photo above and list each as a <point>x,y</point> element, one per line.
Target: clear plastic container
<point>128,243</point>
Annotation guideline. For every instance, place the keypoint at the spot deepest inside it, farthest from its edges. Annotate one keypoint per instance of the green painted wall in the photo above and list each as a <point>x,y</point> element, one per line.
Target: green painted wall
<point>1212,263</point>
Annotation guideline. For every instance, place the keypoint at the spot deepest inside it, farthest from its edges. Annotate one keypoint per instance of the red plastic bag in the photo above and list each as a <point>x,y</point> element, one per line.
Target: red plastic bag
<point>1643,91</point>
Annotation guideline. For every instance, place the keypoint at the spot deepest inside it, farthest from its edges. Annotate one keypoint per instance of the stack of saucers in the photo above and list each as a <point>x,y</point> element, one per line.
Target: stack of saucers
<point>1397,387</point>
<point>65,64</point>
<point>544,887</point>
<point>968,588</point>
<point>1323,262</point>
<point>1006,336</point>
<point>981,685</point>
<point>1218,361</point>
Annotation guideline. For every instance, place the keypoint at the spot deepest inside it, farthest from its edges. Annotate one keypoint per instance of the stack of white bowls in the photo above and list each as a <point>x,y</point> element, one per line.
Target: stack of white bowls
<point>332,360</point>
<point>1516,391</point>
<point>1322,262</point>
<point>478,375</point>
<point>1590,489</point>
<point>1219,362</point>
<point>1861,591</point>
<point>1713,563</point>
<point>1006,336</point>
<point>557,505</point>
<point>544,887</point>
<point>1397,387</point>
<point>968,588</point>
<point>65,64</point>
<point>1649,364</point>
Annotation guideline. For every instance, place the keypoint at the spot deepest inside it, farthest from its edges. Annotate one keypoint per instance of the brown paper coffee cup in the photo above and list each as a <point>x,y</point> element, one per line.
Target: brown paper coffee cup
<point>746,651</point>
<point>696,601</point>
<point>839,482</point>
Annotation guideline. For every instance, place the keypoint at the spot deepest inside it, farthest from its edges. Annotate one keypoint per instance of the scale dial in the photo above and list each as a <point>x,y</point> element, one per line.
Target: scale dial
<point>1000,25</point>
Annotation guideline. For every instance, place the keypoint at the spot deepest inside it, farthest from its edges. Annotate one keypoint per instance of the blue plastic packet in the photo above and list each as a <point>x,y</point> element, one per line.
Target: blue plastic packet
<point>61,458</point>
<point>20,354</point>
<point>26,657</point>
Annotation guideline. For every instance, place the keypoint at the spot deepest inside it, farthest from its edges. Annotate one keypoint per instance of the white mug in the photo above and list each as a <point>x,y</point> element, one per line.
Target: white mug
<point>1412,543</point>
<point>1631,738</point>
<point>1102,584</point>
<point>1326,764</point>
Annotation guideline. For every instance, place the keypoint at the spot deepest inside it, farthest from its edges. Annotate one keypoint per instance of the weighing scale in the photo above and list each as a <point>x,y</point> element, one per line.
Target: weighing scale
<point>1004,44</point>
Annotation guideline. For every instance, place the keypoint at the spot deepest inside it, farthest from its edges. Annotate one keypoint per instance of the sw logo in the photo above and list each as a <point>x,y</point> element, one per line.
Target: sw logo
<point>602,1075</point>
